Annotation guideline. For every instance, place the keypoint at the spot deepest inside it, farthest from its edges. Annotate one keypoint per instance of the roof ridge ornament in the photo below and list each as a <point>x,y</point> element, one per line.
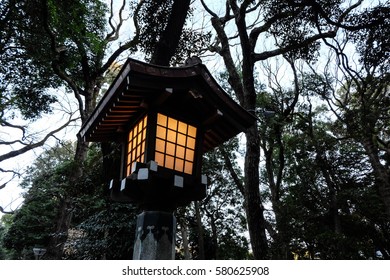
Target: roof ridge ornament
<point>192,61</point>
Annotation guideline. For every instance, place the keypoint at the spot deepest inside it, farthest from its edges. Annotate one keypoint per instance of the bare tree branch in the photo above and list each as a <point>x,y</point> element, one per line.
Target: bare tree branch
<point>31,146</point>
<point>6,212</point>
<point>15,173</point>
<point>214,15</point>
<point>232,172</point>
<point>8,124</point>
<point>255,32</point>
<point>114,34</point>
<point>127,45</point>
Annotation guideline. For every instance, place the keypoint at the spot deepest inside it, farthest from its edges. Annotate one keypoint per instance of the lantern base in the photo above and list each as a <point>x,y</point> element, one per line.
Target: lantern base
<point>155,188</point>
<point>155,236</point>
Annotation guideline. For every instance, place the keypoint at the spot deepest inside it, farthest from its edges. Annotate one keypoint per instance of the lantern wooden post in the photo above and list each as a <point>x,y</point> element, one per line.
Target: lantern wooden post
<point>155,236</point>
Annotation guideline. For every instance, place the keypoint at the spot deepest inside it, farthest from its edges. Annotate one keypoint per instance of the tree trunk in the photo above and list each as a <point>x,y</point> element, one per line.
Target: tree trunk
<point>55,249</point>
<point>200,232</point>
<point>325,167</point>
<point>382,175</point>
<point>169,40</point>
<point>254,208</point>
<point>246,94</point>
<point>182,222</point>
<point>60,236</point>
<point>280,244</point>
<point>184,236</point>
<point>214,237</point>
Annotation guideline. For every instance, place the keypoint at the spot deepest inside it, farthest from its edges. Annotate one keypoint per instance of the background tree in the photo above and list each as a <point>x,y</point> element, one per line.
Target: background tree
<point>165,39</point>
<point>23,95</point>
<point>215,228</point>
<point>296,28</point>
<point>361,104</point>
<point>98,230</point>
<point>74,50</point>
<point>33,223</point>
<point>108,233</point>
<point>221,210</point>
<point>5,223</point>
<point>326,181</point>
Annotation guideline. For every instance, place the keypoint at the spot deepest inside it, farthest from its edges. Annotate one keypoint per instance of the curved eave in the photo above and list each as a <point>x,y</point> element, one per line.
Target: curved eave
<point>189,93</point>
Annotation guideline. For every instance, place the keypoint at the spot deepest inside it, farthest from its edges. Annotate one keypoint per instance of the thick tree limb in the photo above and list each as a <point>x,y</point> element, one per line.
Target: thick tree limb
<point>255,32</point>
<point>234,77</point>
<point>282,50</point>
<point>170,37</point>
<point>232,172</point>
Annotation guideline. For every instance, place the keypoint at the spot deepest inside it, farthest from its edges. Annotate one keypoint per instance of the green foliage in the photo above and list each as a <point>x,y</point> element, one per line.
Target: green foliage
<point>23,84</point>
<point>155,16</point>
<point>32,226</point>
<point>107,234</point>
<point>46,185</point>
<point>233,247</point>
<point>222,210</point>
<point>44,34</point>
<point>307,216</point>
<point>329,206</point>
<point>372,40</point>
<point>223,221</point>
<point>230,246</point>
<point>297,21</point>
<point>99,229</point>
<point>20,91</point>
<point>5,222</point>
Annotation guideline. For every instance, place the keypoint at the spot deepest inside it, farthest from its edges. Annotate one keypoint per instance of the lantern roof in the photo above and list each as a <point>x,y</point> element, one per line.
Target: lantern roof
<point>188,93</point>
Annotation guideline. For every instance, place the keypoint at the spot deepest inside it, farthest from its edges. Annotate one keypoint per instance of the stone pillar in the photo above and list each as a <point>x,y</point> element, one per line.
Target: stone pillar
<point>155,236</point>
